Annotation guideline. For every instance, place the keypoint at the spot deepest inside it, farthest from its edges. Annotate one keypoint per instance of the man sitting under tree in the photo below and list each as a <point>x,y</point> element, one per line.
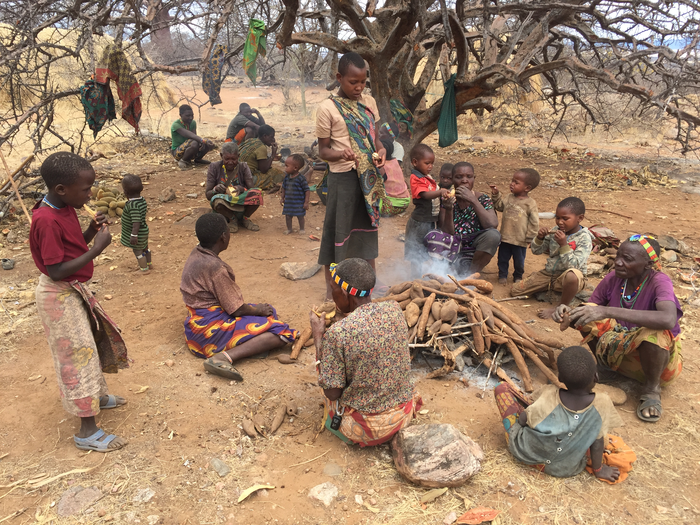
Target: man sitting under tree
<point>244,125</point>
<point>187,145</point>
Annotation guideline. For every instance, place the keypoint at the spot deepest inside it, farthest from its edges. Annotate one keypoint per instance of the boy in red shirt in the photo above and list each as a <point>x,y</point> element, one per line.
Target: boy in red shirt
<point>426,198</point>
<point>66,306</point>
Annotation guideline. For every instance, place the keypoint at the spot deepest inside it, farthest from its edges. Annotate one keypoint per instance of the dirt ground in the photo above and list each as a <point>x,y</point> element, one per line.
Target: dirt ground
<point>185,417</point>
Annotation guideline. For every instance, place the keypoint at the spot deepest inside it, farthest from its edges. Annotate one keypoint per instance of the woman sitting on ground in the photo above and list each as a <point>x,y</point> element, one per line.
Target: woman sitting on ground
<point>632,327</point>
<point>254,152</point>
<point>187,146</point>
<point>231,191</point>
<point>221,327</point>
<point>364,363</point>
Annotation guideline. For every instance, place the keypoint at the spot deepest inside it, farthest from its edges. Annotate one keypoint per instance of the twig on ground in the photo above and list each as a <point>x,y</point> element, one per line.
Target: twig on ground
<point>310,460</point>
<point>512,298</point>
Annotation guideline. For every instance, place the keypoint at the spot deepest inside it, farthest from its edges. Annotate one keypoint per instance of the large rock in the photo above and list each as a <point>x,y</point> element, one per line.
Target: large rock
<point>325,493</point>
<point>167,195</point>
<point>436,455</point>
<point>298,271</point>
<point>671,243</point>
<point>77,499</point>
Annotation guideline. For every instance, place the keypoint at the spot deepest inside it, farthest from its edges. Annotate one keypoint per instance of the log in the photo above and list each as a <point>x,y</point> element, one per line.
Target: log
<point>505,377</point>
<point>299,343</point>
<point>522,366</point>
<point>494,305</point>
<point>423,321</point>
<point>482,329</point>
<point>509,332</point>
<point>476,332</point>
<point>545,370</point>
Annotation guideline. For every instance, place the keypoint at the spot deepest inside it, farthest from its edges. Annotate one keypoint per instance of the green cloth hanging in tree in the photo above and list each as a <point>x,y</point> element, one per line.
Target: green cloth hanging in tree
<point>255,44</point>
<point>447,123</point>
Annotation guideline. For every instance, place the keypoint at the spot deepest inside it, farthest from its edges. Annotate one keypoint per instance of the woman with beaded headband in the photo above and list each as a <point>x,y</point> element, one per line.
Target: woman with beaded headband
<point>631,323</point>
<point>363,360</point>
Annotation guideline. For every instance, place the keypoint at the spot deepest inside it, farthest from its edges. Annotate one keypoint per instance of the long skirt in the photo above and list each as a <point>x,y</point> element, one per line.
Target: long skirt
<point>84,343</point>
<point>211,330</point>
<point>347,229</point>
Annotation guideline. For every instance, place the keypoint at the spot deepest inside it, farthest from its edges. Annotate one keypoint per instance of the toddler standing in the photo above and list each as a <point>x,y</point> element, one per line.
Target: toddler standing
<point>426,198</point>
<point>134,227</point>
<point>519,223</point>
<point>295,193</point>
<point>73,320</point>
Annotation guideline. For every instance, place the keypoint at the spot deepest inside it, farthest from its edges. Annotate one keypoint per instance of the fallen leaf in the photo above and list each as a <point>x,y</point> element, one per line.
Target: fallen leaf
<point>478,515</point>
<point>423,412</point>
<point>247,492</point>
<point>432,495</point>
<point>112,268</point>
<point>34,378</point>
<point>142,389</point>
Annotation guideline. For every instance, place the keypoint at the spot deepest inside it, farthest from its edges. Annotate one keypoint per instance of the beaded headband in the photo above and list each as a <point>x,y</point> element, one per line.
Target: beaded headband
<point>643,240</point>
<point>345,286</point>
<point>386,127</point>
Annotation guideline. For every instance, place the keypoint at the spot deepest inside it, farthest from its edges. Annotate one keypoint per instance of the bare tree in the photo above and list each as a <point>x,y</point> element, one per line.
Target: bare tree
<point>644,50</point>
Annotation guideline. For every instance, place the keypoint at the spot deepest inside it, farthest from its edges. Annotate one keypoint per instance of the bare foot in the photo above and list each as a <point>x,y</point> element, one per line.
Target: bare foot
<point>608,473</point>
<point>546,313</point>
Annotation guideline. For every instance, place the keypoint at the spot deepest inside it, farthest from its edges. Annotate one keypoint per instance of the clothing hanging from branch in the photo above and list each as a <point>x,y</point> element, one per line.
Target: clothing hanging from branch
<point>212,76</point>
<point>114,65</point>
<point>255,44</point>
<point>402,115</point>
<point>447,123</point>
<point>98,104</point>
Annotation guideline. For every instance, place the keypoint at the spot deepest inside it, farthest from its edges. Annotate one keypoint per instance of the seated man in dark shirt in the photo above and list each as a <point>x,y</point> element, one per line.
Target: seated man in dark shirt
<point>244,125</point>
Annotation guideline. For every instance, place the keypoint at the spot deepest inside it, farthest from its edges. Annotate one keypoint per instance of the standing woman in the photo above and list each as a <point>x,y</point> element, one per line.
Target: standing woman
<point>347,140</point>
<point>632,326</point>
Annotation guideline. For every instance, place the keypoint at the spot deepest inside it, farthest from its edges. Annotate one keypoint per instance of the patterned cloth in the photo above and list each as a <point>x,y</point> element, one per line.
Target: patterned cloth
<point>209,331</point>
<point>441,245</point>
<point>295,189</point>
<point>250,197</point>
<point>555,437</point>
<point>402,115</point>
<point>211,78</point>
<point>574,254</point>
<point>135,210</point>
<point>255,44</point>
<point>366,354</point>
<point>368,430</point>
<point>617,348</point>
<point>84,343</point>
<point>466,220</point>
<point>180,151</point>
<point>114,65</point>
<point>253,150</point>
<point>98,103</point>
<point>360,123</point>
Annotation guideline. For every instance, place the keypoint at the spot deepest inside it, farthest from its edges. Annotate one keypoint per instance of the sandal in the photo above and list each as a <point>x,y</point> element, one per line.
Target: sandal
<point>647,401</point>
<point>94,443</point>
<point>111,402</point>
<point>250,225</point>
<point>219,368</point>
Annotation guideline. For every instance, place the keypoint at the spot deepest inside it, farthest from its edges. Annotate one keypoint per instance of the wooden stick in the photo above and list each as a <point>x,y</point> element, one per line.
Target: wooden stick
<point>21,167</point>
<point>545,370</point>
<point>520,362</point>
<point>14,184</point>
<point>482,298</point>
<point>608,211</point>
<point>299,343</point>
<point>512,298</point>
<point>476,332</point>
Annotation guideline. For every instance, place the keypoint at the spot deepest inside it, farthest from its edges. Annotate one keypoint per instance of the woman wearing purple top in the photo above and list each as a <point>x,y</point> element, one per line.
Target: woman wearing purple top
<point>632,325</point>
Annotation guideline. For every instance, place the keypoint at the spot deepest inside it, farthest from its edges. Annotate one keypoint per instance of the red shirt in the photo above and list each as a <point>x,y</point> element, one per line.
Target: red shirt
<point>56,237</point>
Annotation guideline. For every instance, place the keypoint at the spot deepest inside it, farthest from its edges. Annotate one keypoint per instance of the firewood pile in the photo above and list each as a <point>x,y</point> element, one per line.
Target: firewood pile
<point>438,310</point>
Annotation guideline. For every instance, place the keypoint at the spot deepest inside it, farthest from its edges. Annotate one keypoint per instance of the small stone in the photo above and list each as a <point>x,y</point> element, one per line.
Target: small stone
<point>299,271</point>
<point>108,517</point>
<point>101,513</point>
<point>192,195</point>
<point>325,493</point>
<point>167,195</point>
<point>359,500</point>
<point>169,363</point>
<point>671,243</point>
<point>372,501</point>
<point>76,499</point>
<point>153,519</point>
<point>450,518</point>
<point>108,297</point>
<point>345,508</point>
<point>220,486</point>
<point>477,139</point>
<point>333,470</point>
<point>371,492</point>
<point>222,469</point>
<point>669,256</point>
<point>143,495</point>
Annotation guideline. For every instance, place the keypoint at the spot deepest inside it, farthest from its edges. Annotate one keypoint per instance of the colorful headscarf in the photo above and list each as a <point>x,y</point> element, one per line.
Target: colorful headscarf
<point>644,241</point>
<point>344,285</point>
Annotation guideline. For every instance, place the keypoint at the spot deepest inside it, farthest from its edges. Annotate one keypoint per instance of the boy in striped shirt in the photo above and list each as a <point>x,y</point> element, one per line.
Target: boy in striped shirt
<point>134,227</point>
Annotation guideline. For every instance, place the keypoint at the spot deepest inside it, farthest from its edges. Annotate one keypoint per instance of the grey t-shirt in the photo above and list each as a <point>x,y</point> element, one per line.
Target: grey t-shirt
<point>237,124</point>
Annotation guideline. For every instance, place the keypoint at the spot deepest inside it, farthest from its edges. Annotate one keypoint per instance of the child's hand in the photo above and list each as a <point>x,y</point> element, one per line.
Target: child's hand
<point>444,193</point>
<point>134,239</point>
<point>99,220</point>
<point>306,205</point>
<point>542,233</point>
<point>494,189</point>
<point>608,473</point>
<point>448,202</point>
<point>103,239</point>
<point>560,237</point>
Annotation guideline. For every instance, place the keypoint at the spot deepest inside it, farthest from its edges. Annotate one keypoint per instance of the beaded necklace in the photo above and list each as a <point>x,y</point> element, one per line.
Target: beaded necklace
<point>46,201</point>
<point>633,296</point>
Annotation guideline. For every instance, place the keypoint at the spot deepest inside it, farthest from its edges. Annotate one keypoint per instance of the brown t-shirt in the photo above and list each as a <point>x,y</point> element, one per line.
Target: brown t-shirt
<point>208,281</point>
<point>330,124</point>
<point>520,221</point>
<point>217,175</point>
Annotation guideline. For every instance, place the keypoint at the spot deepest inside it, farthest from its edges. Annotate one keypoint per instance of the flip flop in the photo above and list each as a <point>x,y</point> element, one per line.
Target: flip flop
<point>111,402</point>
<point>93,442</point>
<point>223,369</point>
<point>646,401</point>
